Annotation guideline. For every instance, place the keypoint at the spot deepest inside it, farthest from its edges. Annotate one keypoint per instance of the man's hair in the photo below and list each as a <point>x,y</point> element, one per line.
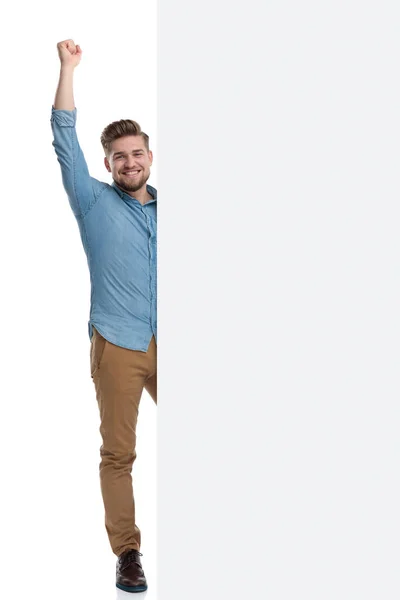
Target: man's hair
<point>119,129</point>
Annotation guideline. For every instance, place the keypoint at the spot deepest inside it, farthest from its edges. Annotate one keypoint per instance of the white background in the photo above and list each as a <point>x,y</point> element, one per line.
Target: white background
<point>278,422</point>
<point>53,539</point>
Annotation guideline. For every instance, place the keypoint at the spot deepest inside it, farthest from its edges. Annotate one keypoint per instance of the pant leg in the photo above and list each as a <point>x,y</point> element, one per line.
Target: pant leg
<point>119,376</point>
<point>151,387</point>
<point>151,382</point>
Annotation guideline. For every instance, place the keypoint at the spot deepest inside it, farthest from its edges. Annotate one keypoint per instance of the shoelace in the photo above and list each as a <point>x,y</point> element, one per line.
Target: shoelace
<point>132,556</point>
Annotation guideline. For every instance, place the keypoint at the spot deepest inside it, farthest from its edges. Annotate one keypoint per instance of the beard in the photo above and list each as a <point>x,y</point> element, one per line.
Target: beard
<point>131,186</point>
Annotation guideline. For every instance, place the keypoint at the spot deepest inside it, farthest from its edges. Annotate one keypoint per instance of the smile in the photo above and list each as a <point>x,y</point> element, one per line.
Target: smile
<point>132,173</point>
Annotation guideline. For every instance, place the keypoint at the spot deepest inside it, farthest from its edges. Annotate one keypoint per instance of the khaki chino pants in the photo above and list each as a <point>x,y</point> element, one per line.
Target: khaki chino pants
<point>119,376</point>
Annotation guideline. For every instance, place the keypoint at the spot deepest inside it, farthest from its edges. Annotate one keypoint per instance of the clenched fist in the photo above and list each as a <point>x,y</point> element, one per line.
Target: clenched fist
<point>69,53</point>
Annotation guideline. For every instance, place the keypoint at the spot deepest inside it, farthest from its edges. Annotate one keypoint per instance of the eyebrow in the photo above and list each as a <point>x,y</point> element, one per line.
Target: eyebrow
<point>123,153</point>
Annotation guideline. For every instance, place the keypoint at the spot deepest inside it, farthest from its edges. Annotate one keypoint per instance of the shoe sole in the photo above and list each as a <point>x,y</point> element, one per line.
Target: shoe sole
<point>138,588</point>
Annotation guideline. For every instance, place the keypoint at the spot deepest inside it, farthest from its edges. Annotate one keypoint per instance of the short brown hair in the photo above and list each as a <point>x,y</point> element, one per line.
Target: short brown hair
<point>119,129</point>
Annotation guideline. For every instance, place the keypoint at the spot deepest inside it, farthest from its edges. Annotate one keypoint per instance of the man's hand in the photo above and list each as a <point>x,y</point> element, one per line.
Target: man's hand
<point>69,53</point>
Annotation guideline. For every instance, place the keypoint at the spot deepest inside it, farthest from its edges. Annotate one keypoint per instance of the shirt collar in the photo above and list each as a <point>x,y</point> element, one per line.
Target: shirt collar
<point>151,190</point>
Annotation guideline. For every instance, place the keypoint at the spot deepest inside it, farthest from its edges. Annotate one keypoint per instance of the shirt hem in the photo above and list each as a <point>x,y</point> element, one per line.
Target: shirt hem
<point>113,340</point>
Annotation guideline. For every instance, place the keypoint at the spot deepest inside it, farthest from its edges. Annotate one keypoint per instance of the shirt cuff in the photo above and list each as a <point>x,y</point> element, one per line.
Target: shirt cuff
<point>63,118</point>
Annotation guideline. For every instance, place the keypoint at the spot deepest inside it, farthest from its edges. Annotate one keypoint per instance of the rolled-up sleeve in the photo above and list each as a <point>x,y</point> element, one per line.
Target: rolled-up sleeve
<point>82,189</point>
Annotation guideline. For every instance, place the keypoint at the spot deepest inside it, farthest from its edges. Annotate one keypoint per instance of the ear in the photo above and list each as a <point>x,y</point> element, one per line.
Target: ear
<point>107,164</point>
<point>150,157</point>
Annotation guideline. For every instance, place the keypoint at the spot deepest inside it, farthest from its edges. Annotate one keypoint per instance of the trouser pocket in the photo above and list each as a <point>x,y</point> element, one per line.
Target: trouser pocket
<point>97,348</point>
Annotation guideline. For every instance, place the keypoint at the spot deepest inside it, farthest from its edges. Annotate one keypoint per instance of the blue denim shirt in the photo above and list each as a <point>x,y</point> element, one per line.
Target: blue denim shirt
<point>119,236</point>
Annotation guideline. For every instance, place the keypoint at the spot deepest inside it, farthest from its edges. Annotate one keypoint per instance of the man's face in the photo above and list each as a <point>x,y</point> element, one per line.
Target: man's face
<point>129,162</point>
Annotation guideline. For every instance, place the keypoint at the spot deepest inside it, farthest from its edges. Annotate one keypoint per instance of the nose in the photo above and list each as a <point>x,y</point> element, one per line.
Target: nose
<point>130,162</point>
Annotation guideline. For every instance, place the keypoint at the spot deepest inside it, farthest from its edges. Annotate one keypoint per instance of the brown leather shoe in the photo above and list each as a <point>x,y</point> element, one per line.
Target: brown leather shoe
<point>130,576</point>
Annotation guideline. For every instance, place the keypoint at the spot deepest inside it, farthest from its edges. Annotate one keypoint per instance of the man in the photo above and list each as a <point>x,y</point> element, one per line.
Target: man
<point>117,223</point>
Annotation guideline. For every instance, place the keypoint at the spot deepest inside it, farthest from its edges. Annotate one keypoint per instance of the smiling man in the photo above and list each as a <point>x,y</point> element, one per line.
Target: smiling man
<point>128,157</point>
<point>118,227</point>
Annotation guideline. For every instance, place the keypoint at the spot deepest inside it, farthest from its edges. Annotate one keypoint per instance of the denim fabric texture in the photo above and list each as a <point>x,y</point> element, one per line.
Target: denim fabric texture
<point>119,236</point>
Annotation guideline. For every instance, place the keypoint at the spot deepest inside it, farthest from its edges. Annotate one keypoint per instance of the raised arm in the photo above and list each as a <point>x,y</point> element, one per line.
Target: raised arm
<point>82,189</point>
<point>70,57</point>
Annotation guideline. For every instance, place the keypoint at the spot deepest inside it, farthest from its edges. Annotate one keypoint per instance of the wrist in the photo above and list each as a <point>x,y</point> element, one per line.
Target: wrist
<point>67,69</point>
